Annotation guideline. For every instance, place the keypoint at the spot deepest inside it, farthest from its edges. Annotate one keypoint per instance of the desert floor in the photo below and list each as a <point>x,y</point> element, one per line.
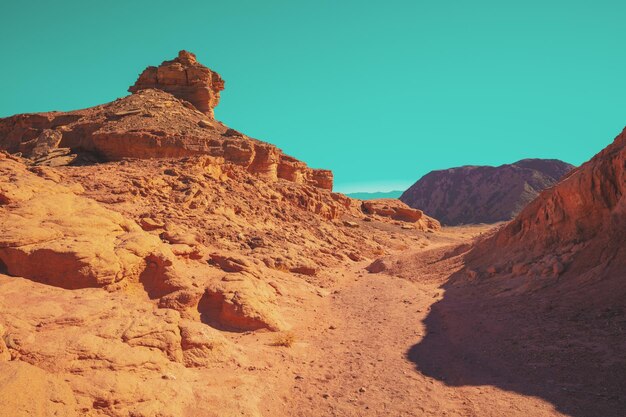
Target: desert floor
<point>403,342</point>
<point>362,350</point>
<point>351,355</point>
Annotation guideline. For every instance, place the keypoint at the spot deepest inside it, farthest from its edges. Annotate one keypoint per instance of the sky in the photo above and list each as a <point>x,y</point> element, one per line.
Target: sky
<point>379,92</point>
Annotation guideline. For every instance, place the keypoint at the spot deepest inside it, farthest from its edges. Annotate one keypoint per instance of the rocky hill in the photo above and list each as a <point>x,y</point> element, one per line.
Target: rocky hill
<point>149,253</point>
<point>483,194</point>
<point>154,262</point>
<point>156,121</point>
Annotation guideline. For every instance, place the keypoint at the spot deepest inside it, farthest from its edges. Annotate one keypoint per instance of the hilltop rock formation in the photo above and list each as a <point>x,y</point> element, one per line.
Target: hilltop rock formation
<point>151,123</point>
<point>184,78</point>
<point>483,194</point>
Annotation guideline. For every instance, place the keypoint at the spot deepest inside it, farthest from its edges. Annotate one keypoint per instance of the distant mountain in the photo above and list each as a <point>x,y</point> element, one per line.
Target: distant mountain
<point>483,194</point>
<point>375,195</point>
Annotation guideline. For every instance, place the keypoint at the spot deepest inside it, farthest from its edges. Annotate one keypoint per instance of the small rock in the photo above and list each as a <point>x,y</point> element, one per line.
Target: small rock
<point>304,270</point>
<point>205,124</point>
<point>355,256</point>
<point>557,268</point>
<point>519,269</point>
<point>124,113</point>
<point>255,242</point>
<point>379,265</point>
<point>148,223</point>
<point>171,172</point>
<point>232,132</point>
<point>229,263</point>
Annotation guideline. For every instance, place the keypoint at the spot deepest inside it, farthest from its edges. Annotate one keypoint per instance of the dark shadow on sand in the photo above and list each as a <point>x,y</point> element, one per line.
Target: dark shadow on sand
<point>546,343</point>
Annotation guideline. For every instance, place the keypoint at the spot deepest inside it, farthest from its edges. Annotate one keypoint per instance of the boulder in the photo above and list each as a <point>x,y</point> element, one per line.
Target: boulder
<point>240,303</point>
<point>378,266</point>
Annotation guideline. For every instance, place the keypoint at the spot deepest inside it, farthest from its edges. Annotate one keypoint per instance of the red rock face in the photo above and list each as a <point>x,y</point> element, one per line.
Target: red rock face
<point>151,123</point>
<point>397,210</point>
<point>185,78</point>
<point>137,238</point>
<point>575,229</point>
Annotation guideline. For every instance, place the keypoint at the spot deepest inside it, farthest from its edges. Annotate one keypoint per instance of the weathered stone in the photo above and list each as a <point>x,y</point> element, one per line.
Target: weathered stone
<point>185,78</point>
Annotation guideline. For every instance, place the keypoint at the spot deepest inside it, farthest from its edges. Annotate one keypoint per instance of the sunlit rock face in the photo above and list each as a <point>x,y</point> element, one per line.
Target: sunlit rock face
<point>185,78</point>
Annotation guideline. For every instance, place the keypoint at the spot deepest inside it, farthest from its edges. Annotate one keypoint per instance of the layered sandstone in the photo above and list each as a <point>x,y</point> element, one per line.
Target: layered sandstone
<point>157,121</point>
<point>576,229</point>
<point>185,78</point>
<point>397,210</point>
<point>127,287</point>
<point>149,255</point>
<point>483,194</point>
<point>53,234</point>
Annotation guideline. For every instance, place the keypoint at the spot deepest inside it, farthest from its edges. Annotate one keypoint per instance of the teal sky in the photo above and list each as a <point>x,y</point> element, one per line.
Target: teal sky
<point>379,92</point>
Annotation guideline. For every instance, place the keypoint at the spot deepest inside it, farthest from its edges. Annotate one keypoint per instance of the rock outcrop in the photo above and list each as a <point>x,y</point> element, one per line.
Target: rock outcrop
<point>483,194</point>
<point>397,210</point>
<point>576,229</point>
<point>127,287</point>
<point>156,121</point>
<point>53,235</point>
<point>185,78</point>
<point>143,244</point>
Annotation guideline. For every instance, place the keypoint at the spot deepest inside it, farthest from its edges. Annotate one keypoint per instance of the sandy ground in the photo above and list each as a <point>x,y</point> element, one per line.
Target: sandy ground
<point>353,351</point>
<point>405,342</point>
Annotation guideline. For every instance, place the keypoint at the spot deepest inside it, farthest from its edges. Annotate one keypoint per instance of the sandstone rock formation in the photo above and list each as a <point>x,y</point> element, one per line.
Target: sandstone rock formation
<point>59,238</point>
<point>147,251</point>
<point>576,229</point>
<point>29,391</point>
<point>483,194</point>
<point>537,306</point>
<point>149,262</point>
<point>185,78</point>
<point>397,210</point>
<point>151,123</point>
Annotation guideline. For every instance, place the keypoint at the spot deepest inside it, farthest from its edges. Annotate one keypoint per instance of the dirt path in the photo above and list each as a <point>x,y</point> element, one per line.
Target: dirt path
<point>353,360</point>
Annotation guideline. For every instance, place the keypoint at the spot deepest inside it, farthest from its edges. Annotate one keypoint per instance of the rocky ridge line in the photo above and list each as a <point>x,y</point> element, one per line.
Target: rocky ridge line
<point>155,122</point>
